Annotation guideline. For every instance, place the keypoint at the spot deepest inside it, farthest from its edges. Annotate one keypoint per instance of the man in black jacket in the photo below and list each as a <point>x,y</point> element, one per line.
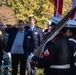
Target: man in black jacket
<point>21,44</point>
<point>37,34</point>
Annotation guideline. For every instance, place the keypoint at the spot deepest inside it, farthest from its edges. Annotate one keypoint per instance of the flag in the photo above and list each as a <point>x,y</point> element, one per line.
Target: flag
<point>73,17</point>
<point>58,8</point>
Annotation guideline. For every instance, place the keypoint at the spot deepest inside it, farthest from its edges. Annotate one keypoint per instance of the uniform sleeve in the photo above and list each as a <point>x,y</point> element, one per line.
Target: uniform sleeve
<point>48,57</point>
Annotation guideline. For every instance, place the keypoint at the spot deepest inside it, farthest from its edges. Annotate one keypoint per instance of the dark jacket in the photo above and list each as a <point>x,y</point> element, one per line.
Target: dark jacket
<point>2,40</point>
<point>73,53</point>
<point>28,43</point>
<point>56,53</point>
<point>38,36</point>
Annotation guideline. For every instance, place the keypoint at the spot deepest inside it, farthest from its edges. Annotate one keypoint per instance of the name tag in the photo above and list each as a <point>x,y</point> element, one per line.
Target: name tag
<point>29,37</point>
<point>36,33</point>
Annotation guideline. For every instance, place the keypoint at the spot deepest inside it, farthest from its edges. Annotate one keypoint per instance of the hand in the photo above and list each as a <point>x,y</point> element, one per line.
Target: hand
<point>30,57</point>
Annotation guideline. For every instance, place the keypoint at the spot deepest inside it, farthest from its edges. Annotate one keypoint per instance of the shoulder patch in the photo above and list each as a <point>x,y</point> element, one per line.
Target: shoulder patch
<point>46,53</point>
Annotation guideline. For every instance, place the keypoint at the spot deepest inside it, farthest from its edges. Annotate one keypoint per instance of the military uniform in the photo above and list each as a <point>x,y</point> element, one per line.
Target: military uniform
<point>70,34</point>
<point>73,60</point>
<point>56,57</point>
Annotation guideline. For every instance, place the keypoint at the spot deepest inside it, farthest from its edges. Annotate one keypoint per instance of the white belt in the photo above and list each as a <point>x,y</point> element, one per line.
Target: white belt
<point>60,66</point>
<point>75,64</point>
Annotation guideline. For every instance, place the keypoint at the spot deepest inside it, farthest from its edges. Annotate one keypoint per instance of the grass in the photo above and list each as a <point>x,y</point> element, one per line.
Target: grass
<point>39,71</point>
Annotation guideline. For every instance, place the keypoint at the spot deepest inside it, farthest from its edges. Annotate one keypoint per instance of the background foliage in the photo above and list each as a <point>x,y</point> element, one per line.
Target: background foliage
<point>42,9</point>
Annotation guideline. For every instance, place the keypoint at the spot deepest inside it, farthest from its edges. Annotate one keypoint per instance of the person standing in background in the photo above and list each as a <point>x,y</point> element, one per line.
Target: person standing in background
<point>20,43</point>
<point>37,34</point>
<point>50,26</point>
<point>2,41</point>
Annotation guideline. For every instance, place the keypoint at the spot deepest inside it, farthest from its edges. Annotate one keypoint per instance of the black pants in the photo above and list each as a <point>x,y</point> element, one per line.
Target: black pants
<point>16,58</point>
<point>1,57</point>
<point>75,70</point>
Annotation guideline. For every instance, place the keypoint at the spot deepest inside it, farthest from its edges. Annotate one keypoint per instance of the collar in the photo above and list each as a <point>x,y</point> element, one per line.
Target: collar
<point>21,31</point>
<point>32,27</point>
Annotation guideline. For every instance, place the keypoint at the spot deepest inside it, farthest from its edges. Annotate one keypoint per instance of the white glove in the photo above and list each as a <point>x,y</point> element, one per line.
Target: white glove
<point>30,57</point>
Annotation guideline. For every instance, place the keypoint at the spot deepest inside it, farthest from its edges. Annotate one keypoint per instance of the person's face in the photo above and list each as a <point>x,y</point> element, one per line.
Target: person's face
<point>21,26</point>
<point>32,22</point>
<point>49,27</point>
<point>68,33</point>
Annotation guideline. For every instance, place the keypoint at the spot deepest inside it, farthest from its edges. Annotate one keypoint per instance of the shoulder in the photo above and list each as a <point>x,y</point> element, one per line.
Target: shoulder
<point>27,27</point>
<point>38,27</point>
<point>72,39</point>
<point>28,30</point>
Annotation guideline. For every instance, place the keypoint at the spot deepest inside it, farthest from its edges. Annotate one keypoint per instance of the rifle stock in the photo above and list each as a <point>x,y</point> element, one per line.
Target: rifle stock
<point>52,34</point>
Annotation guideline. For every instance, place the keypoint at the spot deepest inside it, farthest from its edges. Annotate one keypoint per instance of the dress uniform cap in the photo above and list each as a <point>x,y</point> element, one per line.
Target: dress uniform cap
<point>71,24</point>
<point>48,22</point>
<point>31,15</point>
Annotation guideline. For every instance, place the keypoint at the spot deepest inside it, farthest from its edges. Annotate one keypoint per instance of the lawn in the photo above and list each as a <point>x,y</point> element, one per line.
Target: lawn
<point>39,71</point>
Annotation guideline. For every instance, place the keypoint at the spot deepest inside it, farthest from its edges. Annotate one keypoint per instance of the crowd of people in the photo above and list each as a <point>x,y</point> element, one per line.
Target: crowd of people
<point>59,54</point>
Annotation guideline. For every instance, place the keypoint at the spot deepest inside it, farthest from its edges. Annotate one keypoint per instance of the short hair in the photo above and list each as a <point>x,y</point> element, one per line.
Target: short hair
<point>20,21</point>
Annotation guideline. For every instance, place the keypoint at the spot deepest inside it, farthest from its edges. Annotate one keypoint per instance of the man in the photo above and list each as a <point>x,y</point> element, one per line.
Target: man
<point>2,41</point>
<point>37,34</point>
<point>56,56</point>
<point>49,28</point>
<point>71,35</point>
<point>20,43</point>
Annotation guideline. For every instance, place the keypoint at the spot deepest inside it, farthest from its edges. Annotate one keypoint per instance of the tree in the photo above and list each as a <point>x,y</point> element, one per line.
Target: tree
<point>42,9</point>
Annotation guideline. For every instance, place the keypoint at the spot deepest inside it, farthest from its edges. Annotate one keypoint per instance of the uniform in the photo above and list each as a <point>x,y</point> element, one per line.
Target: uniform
<point>70,34</point>
<point>73,61</point>
<point>56,57</point>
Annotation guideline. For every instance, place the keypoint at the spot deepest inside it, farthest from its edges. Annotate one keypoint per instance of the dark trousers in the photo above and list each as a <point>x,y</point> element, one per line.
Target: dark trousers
<point>1,57</point>
<point>16,59</point>
<point>75,70</point>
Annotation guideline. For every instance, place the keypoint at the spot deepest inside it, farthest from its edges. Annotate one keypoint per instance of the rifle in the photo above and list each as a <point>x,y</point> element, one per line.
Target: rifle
<point>52,34</point>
